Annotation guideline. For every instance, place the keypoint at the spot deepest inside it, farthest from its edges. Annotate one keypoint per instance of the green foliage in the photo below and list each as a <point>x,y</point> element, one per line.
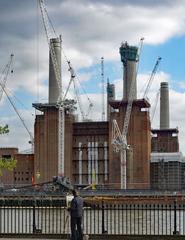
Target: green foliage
<point>4,130</point>
<point>8,164</point>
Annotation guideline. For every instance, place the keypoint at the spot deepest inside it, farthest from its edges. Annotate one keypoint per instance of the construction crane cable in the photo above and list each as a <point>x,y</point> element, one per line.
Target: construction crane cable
<point>11,102</point>
<point>103,101</point>
<point>18,100</point>
<point>152,77</point>
<point>73,77</point>
<point>7,69</point>
<point>46,23</point>
<point>155,105</point>
<point>139,53</point>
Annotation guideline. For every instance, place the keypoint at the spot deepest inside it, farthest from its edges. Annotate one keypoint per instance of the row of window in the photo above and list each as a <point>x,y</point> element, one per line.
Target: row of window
<point>21,179</point>
<point>22,173</point>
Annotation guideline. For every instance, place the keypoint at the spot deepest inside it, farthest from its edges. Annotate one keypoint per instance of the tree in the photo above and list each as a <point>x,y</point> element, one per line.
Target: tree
<point>10,163</point>
<point>4,130</point>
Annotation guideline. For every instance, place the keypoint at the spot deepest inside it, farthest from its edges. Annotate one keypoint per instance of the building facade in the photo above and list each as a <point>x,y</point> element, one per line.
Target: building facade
<point>23,173</point>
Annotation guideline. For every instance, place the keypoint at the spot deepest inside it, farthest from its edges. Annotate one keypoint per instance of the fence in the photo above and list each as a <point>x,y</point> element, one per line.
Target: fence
<point>51,217</point>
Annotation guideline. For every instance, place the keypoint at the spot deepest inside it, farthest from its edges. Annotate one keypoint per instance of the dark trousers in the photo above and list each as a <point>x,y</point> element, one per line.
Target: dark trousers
<point>76,234</point>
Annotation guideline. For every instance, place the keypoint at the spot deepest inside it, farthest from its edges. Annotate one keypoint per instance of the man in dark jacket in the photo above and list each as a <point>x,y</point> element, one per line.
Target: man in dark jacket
<point>76,210</point>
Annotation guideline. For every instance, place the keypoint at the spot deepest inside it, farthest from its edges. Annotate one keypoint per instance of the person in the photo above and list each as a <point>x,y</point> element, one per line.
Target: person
<point>76,211</point>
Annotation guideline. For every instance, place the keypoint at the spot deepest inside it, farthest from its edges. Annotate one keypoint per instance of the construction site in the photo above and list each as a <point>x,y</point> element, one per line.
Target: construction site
<point>122,151</point>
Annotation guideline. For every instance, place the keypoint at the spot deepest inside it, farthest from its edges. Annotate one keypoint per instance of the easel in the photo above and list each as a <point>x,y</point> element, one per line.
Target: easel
<point>67,222</point>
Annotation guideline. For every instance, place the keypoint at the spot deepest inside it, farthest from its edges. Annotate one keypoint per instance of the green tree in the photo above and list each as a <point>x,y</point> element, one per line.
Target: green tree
<point>4,130</point>
<point>8,164</point>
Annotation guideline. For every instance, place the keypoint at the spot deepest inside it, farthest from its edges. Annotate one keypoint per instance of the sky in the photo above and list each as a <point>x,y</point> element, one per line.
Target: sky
<point>90,29</point>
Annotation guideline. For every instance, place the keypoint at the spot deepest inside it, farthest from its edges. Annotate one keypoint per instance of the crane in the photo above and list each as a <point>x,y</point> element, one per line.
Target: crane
<point>3,89</point>
<point>4,75</point>
<point>61,100</point>
<point>19,115</point>
<point>103,86</point>
<point>155,105</point>
<point>119,139</point>
<point>152,76</point>
<point>61,114</point>
<point>61,103</point>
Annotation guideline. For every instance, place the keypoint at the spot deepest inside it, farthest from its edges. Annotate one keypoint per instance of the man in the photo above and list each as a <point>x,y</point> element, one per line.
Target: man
<point>76,210</point>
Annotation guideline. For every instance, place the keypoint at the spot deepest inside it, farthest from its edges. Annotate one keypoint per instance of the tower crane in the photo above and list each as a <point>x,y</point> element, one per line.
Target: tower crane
<point>152,76</point>
<point>62,97</point>
<point>6,71</point>
<point>155,105</point>
<point>119,139</point>
<point>4,75</point>
<point>61,114</point>
<point>103,86</point>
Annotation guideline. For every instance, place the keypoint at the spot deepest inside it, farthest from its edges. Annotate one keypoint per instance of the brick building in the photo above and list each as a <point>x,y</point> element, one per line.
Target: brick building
<point>88,151</point>
<point>23,173</point>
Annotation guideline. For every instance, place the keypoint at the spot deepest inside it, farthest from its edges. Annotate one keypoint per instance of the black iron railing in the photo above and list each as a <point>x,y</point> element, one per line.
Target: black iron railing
<point>51,217</point>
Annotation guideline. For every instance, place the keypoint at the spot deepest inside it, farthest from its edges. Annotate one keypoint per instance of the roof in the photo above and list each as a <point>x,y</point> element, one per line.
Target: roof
<point>142,103</point>
<point>169,130</point>
<point>44,106</point>
<point>167,157</point>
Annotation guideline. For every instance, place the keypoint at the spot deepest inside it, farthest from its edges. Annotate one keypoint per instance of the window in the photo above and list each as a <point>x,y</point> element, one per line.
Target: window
<point>8,157</point>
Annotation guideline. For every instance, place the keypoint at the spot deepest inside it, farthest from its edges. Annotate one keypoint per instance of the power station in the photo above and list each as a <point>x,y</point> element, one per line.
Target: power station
<point>84,152</point>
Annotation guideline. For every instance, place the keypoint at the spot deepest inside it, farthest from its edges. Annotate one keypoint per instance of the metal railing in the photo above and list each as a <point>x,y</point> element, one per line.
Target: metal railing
<point>50,216</point>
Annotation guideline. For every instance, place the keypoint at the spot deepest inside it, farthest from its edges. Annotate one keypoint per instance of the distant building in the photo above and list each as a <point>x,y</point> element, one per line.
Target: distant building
<point>167,166</point>
<point>23,174</point>
<point>167,171</point>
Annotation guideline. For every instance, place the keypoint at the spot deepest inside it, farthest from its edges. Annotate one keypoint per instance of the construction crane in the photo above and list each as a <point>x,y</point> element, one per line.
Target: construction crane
<point>119,139</point>
<point>61,111</point>
<point>61,100</point>
<point>4,75</point>
<point>103,87</point>
<point>9,68</point>
<point>3,89</point>
<point>155,105</point>
<point>62,97</point>
<point>152,77</point>
<point>19,115</point>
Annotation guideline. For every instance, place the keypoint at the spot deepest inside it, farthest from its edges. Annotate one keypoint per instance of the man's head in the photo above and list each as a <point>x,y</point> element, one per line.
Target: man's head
<point>75,193</point>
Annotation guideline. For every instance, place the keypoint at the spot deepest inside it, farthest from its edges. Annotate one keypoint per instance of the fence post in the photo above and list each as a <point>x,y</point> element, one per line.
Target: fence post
<point>103,217</point>
<point>34,224</point>
<point>175,232</point>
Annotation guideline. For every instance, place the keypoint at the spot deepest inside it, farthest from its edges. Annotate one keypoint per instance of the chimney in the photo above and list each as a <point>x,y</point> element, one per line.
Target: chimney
<point>164,106</point>
<point>110,96</point>
<point>129,57</point>
<point>54,85</point>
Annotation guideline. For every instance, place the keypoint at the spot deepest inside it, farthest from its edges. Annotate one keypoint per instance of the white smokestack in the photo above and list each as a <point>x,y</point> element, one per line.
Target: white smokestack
<point>164,106</point>
<point>54,85</point>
